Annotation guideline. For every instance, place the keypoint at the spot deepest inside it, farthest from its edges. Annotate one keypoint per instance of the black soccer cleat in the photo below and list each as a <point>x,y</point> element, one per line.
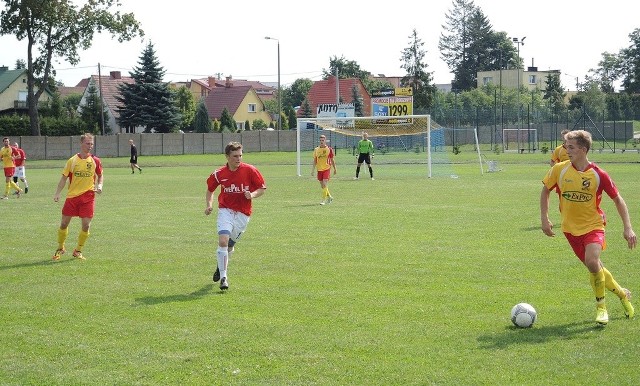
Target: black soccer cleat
<point>216,275</point>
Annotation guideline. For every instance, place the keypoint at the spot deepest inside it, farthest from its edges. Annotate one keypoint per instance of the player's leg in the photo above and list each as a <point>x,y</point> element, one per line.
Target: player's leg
<point>82,237</point>
<point>622,293</point>
<point>63,232</point>
<point>368,161</point>
<point>597,279</point>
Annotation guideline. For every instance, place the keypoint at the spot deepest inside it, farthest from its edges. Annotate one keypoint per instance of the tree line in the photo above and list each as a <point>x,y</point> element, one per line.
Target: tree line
<point>468,44</point>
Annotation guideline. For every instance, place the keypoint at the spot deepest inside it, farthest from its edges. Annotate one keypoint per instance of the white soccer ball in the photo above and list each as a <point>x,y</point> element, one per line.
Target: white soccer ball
<point>523,315</point>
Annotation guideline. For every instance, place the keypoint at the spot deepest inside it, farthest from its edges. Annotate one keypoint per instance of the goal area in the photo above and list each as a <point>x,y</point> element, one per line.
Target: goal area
<point>519,140</point>
<point>409,139</point>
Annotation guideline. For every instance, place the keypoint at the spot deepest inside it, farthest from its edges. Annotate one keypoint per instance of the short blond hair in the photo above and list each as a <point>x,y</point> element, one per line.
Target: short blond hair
<point>582,137</point>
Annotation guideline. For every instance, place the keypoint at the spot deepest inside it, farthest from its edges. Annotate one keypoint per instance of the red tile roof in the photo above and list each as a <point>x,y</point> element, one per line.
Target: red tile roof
<point>109,85</point>
<point>221,97</point>
<point>324,91</point>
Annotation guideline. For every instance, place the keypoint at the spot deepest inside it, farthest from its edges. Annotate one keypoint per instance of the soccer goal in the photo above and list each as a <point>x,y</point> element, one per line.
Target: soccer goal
<point>417,137</point>
<point>520,140</point>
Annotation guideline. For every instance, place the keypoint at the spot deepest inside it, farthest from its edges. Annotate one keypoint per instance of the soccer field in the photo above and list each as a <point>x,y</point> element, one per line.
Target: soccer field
<point>402,280</point>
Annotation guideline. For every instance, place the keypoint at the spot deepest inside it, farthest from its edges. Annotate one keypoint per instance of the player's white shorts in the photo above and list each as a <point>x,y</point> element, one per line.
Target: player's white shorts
<point>19,172</point>
<point>232,223</point>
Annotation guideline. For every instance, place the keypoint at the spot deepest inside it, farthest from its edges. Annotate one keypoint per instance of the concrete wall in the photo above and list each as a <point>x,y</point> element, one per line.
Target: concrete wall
<point>160,144</point>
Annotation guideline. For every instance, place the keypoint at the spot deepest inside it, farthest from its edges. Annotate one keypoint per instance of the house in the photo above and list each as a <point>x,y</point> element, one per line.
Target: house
<point>200,88</point>
<point>324,91</point>
<point>532,79</point>
<point>13,91</point>
<point>242,102</point>
<point>107,86</point>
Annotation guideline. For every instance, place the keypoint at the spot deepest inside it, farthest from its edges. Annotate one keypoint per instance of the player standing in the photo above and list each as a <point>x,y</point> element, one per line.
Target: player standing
<point>8,153</point>
<point>20,172</point>
<point>323,160</point>
<point>239,183</point>
<point>84,172</point>
<point>365,152</point>
<point>559,154</point>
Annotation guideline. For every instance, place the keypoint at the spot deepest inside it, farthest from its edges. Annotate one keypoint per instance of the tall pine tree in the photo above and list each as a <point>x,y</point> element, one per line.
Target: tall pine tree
<point>149,102</point>
<point>417,77</point>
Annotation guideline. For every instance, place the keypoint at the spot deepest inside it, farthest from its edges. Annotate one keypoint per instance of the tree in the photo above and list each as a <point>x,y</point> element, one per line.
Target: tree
<point>201,121</point>
<point>630,64</point>
<point>70,104</point>
<point>416,75</point>
<point>357,100</point>
<point>454,45</point>
<point>306,109</point>
<point>346,69</point>
<point>607,72</point>
<point>292,119</point>
<point>295,94</point>
<point>227,122</point>
<point>21,64</point>
<point>259,124</point>
<point>57,28</point>
<point>187,108</point>
<point>469,45</point>
<point>149,102</point>
<point>554,92</point>
<point>90,112</point>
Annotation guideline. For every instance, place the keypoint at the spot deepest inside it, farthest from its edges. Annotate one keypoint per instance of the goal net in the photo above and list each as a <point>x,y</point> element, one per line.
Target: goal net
<point>410,139</point>
<point>519,140</point>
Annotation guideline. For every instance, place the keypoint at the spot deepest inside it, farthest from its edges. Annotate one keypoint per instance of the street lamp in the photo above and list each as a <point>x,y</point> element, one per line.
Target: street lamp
<point>279,90</point>
<point>519,42</point>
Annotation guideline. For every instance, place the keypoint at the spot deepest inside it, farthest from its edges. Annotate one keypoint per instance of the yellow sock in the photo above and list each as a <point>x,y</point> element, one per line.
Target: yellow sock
<point>7,187</point>
<point>325,193</point>
<point>82,238</point>
<point>14,186</point>
<point>62,236</point>
<point>598,284</point>
<point>612,285</point>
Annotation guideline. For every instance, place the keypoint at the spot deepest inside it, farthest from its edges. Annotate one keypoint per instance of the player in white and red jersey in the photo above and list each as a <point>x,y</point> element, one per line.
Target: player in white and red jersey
<point>239,184</point>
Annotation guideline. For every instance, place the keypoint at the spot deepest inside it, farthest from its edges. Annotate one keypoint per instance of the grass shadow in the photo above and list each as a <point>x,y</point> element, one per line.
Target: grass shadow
<point>33,264</point>
<point>152,300</point>
<point>516,335</point>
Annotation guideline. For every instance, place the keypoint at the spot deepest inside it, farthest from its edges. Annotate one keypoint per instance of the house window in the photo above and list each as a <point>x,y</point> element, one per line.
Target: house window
<point>252,107</point>
<point>487,80</point>
<point>532,79</point>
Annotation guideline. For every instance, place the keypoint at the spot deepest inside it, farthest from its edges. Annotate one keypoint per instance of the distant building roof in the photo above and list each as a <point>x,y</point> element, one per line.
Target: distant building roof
<point>220,97</point>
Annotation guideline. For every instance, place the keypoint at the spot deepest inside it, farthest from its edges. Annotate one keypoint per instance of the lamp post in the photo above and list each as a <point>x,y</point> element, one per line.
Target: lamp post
<point>279,90</point>
<point>519,42</point>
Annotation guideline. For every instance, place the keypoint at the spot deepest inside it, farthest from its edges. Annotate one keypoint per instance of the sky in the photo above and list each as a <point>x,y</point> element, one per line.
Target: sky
<point>194,39</point>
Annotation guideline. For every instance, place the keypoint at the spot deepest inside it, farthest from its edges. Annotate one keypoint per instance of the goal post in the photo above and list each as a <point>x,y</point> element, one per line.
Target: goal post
<point>411,134</point>
<point>519,140</point>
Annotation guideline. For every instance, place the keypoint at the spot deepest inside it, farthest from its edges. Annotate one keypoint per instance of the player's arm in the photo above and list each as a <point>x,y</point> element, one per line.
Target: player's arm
<point>313,164</point>
<point>623,211</point>
<point>333,162</point>
<point>546,224</point>
<point>61,184</point>
<point>99,183</point>
<point>208,202</point>
<point>255,194</point>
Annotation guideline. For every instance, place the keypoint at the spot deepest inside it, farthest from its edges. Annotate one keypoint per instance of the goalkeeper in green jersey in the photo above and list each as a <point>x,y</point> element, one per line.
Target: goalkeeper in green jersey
<point>365,152</point>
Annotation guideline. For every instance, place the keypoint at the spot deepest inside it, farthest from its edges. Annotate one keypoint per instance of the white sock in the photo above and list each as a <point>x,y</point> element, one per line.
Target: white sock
<point>223,259</point>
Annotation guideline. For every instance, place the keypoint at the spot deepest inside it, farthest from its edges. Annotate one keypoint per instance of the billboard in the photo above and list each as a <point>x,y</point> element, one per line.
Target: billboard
<point>392,103</point>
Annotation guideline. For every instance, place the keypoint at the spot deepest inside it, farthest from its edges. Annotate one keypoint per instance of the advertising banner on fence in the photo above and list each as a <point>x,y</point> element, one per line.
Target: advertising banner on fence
<point>392,103</point>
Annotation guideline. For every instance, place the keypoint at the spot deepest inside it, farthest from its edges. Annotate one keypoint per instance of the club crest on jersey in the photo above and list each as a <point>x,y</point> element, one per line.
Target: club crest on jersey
<point>586,183</point>
<point>577,196</point>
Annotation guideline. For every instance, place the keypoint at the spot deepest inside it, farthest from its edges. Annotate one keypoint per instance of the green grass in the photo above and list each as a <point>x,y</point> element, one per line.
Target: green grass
<point>402,280</point>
